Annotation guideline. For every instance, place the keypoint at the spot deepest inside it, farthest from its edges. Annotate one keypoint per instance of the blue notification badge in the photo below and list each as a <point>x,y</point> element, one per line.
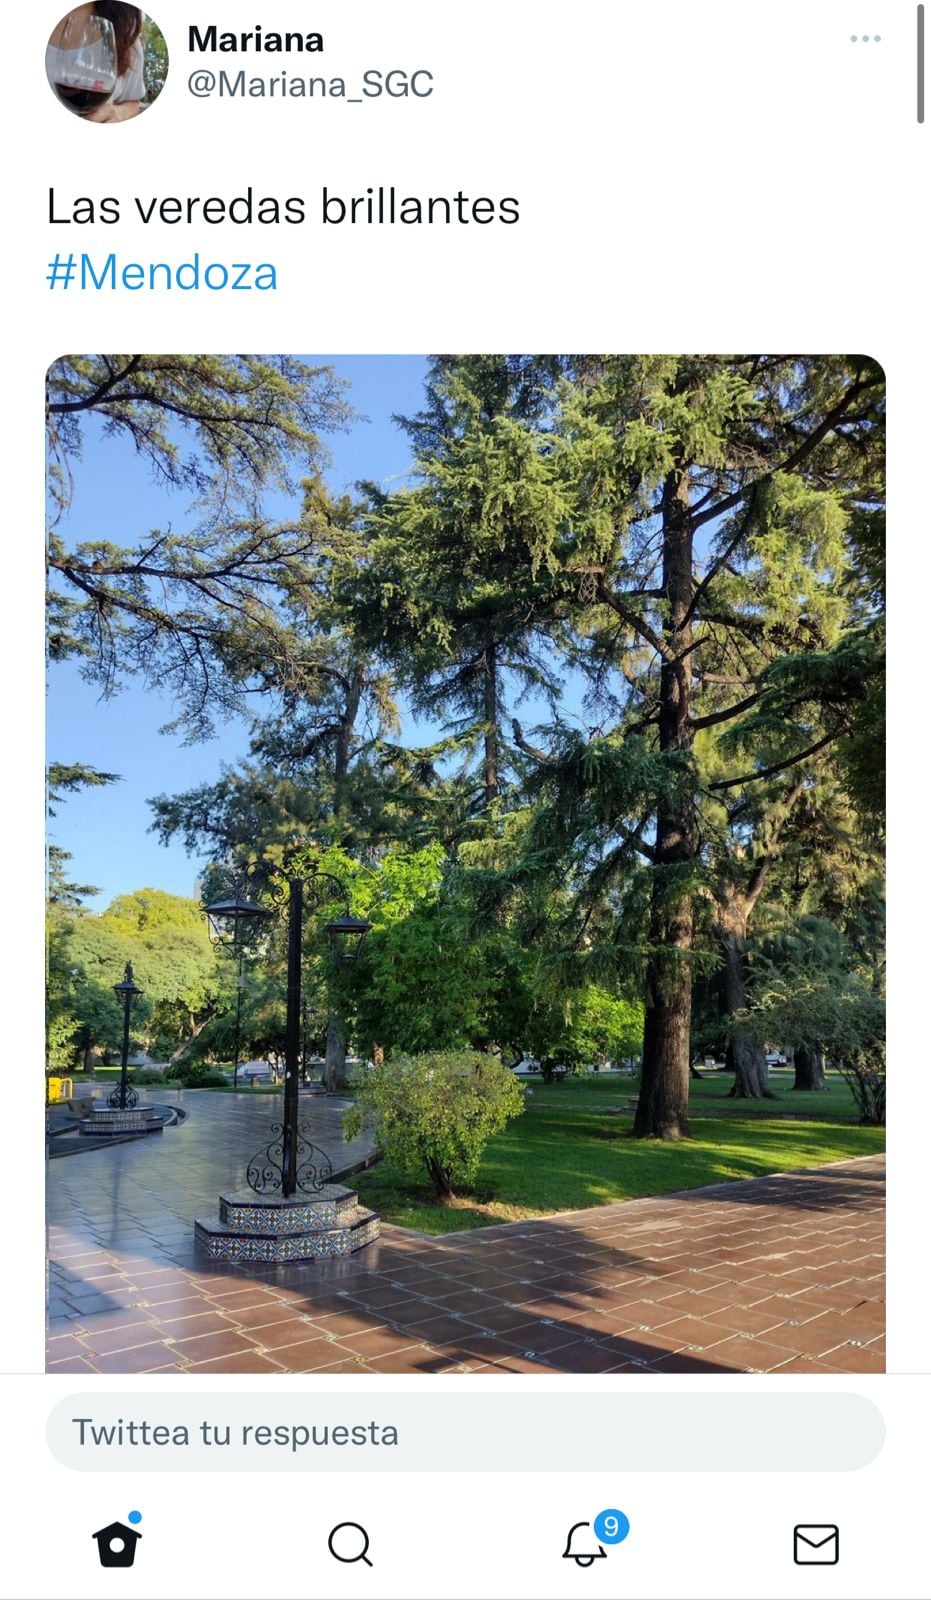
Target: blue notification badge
<point>611,1527</point>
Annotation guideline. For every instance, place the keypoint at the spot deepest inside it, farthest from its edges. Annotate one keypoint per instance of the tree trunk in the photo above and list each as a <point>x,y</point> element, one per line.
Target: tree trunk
<point>441,1178</point>
<point>197,1028</point>
<point>335,1071</point>
<point>662,1109</point>
<point>491,776</point>
<point>342,754</point>
<point>745,1055</point>
<point>809,1068</point>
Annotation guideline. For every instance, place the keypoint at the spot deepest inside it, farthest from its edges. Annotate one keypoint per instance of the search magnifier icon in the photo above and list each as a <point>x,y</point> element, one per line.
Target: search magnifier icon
<point>349,1542</point>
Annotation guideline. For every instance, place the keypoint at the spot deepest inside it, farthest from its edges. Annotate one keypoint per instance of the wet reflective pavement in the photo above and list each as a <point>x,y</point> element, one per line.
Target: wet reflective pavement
<point>783,1273</point>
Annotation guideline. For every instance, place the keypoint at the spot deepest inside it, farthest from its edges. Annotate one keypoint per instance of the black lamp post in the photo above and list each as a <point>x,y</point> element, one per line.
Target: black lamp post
<point>287,1163</point>
<point>230,923</point>
<point>126,992</point>
<point>346,935</point>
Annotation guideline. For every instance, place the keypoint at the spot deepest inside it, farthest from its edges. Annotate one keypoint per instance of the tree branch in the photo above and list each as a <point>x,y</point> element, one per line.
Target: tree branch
<point>100,394</point>
<point>780,766</point>
<point>809,443</point>
<point>774,844</point>
<point>725,715</point>
<point>529,749</point>
<point>639,626</point>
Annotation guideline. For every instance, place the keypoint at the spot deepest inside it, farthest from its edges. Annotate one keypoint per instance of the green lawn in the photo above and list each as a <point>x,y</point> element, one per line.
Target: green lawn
<point>568,1151</point>
<point>710,1094</point>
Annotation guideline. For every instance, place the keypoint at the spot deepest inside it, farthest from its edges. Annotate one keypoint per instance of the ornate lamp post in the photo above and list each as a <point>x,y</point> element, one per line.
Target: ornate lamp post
<point>122,1113</point>
<point>231,923</point>
<point>346,936</point>
<point>124,1098</point>
<point>291,1210</point>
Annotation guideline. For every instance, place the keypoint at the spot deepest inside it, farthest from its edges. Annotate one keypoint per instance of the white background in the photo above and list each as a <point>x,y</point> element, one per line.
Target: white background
<point>690,176</point>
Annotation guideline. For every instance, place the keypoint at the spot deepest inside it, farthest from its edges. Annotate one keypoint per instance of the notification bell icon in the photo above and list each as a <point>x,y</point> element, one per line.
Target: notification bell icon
<point>579,1546</point>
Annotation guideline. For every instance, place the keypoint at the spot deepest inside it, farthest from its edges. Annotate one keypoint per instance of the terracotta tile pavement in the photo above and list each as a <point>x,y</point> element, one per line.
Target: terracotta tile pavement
<point>776,1274</point>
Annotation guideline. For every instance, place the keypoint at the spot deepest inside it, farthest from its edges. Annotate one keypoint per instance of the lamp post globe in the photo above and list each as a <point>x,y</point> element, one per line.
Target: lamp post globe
<point>229,920</point>
<point>347,935</point>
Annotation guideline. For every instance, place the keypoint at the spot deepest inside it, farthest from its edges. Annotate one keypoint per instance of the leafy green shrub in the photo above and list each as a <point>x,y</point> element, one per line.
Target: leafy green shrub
<point>437,1111</point>
<point>60,1044</point>
<point>868,1087</point>
<point>197,1075</point>
<point>147,1076</point>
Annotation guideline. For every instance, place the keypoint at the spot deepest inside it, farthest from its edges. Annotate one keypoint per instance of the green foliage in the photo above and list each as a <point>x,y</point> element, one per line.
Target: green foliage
<point>606,1027</point>
<point>841,1012</point>
<point>422,986</point>
<point>64,1028</point>
<point>155,53</point>
<point>452,587</point>
<point>571,1150</point>
<point>207,611</point>
<point>195,1075</point>
<point>60,1036</point>
<point>809,993</point>
<point>250,420</point>
<point>420,983</point>
<point>96,958</point>
<point>694,542</point>
<point>64,778</point>
<point>165,937</point>
<point>436,1111</point>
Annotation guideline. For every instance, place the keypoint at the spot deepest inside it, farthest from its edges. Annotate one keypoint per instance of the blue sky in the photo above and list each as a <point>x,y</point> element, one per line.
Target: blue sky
<point>106,830</point>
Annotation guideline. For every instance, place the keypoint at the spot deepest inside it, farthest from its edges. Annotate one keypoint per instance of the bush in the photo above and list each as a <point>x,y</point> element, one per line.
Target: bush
<point>197,1075</point>
<point>867,1082</point>
<point>60,1048</point>
<point>436,1111</point>
<point>145,1076</point>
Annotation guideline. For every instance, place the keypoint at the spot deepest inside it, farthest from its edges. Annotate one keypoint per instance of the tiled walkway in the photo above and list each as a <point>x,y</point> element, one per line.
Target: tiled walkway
<point>772,1274</point>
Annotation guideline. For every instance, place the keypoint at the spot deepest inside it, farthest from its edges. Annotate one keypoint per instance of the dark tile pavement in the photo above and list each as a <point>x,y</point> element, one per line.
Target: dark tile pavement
<point>776,1274</point>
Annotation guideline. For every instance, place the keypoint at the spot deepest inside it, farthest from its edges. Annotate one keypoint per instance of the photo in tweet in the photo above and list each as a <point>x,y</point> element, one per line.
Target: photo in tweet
<point>465,864</point>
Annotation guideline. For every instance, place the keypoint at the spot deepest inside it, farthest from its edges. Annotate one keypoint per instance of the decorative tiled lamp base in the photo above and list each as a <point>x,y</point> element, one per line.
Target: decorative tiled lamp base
<point>258,1228</point>
<point>110,1122</point>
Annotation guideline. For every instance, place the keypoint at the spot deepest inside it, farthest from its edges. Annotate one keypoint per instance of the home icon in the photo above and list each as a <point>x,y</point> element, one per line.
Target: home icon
<point>116,1545</point>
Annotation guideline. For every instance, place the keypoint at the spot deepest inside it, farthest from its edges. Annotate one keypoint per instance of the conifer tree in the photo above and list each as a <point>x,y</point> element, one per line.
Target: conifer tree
<point>202,608</point>
<point>446,593</point>
<point>709,500</point>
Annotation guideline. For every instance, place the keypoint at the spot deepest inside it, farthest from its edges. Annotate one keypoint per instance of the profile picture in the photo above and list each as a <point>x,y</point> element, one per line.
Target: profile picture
<point>107,61</point>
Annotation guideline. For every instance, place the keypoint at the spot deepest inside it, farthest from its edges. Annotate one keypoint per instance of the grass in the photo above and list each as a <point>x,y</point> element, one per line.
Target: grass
<point>569,1151</point>
<point>710,1095</point>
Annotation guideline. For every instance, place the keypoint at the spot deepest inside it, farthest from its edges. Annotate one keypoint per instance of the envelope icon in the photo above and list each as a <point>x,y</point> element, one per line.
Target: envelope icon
<point>817,1544</point>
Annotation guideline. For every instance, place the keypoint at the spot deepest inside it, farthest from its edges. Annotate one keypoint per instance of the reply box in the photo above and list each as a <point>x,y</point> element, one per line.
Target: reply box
<point>684,1432</point>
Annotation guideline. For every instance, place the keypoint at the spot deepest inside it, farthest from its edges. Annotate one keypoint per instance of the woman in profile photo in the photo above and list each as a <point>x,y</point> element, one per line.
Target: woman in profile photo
<point>95,61</point>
